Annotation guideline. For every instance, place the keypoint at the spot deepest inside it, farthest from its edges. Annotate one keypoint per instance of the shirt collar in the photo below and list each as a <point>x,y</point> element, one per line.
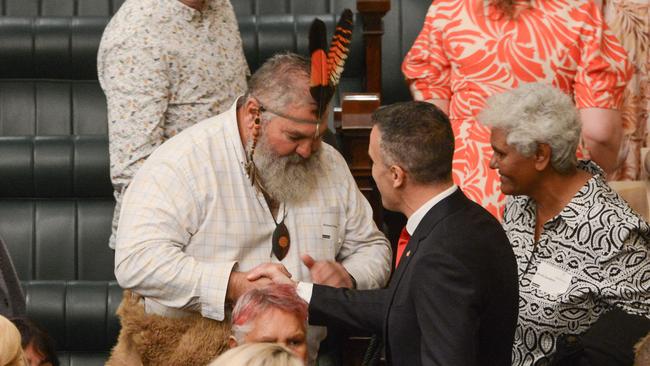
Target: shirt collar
<point>231,129</point>
<point>419,214</point>
<point>573,213</point>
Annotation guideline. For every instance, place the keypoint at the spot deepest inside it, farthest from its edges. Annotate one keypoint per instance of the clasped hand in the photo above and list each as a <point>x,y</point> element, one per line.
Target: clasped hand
<point>323,272</point>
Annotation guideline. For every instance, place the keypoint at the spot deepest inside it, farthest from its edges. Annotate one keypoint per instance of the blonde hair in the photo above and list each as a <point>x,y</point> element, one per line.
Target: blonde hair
<point>11,353</point>
<point>258,354</point>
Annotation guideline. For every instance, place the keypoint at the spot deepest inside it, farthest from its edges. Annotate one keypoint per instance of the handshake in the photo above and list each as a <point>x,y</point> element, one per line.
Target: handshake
<point>329,273</point>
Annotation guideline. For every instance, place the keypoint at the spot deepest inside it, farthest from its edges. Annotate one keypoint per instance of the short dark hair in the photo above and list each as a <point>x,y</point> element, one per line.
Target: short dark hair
<point>41,341</point>
<point>418,137</point>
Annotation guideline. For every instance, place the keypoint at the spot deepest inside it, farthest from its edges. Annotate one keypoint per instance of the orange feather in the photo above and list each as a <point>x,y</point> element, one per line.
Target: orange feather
<point>326,67</point>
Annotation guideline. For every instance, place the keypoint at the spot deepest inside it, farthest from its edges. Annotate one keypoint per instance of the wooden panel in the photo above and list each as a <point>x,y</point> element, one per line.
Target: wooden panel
<point>373,12</point>
<point>354,130</point>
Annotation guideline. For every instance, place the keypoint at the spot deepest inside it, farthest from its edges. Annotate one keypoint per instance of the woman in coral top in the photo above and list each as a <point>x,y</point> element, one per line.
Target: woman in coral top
<point>469,50</point>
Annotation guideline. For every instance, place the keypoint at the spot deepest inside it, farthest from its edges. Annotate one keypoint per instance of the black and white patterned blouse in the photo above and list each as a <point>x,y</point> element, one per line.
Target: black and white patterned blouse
<point>593,254</point>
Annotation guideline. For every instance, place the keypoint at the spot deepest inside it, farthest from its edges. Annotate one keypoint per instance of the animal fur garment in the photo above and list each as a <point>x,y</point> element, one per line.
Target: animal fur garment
<point>149,339</point>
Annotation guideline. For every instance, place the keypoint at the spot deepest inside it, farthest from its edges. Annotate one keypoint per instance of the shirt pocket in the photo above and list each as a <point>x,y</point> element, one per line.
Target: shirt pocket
<point>330,231</point>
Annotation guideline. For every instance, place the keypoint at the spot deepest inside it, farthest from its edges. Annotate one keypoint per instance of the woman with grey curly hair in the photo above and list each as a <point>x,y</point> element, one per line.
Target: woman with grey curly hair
<point>537,113</point>
<point>580,248</point>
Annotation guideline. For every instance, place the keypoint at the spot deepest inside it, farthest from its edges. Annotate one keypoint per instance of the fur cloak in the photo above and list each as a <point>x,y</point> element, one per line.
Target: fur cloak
<point>150,339</point>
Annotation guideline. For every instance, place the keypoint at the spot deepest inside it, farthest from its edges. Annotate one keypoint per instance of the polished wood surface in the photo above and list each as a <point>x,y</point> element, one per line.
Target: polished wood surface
<point>373,12</point>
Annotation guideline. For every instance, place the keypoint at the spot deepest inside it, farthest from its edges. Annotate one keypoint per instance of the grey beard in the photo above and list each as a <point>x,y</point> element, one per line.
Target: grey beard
<point>286,178</point>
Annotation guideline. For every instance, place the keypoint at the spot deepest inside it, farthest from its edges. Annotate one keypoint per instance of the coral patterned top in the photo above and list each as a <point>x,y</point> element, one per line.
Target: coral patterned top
<point>467,52</point>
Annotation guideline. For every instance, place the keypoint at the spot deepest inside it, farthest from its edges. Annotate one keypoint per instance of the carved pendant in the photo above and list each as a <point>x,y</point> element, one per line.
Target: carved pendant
<point>281,241</point>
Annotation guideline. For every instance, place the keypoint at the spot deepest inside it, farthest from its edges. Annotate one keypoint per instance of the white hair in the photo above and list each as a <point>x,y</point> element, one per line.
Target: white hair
<point>537,113</point>
<point>258,354</point>
<point>239,332</point>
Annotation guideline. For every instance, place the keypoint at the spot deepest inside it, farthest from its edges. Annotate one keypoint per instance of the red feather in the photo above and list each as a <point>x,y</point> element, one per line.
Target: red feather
<point>339,47</point>
<point>319,86</point>
<point>326,67</point>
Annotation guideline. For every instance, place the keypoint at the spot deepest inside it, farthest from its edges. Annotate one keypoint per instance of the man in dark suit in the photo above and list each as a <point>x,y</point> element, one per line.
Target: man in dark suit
<point>453,298</point>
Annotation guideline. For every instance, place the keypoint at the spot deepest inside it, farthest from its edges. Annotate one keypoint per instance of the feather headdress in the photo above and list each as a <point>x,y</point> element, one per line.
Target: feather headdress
<point>327,66</point>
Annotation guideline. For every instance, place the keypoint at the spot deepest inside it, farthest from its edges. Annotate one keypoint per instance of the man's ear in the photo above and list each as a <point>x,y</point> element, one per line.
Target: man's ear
<point>542,156</point>
<point>232,342</point>
<point>398,176</point>
<point>252,107</point>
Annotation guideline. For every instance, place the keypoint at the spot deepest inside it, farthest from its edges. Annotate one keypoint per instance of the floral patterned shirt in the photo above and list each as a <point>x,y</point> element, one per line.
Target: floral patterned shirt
<point>592,255</point>
<point>165,66</point>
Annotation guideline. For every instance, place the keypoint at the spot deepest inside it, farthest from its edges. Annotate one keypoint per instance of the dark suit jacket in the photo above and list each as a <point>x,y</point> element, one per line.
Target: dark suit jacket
<point>452,300</point>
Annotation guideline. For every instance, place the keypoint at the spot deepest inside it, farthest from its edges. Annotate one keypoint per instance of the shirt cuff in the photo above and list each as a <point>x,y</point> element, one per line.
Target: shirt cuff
<point>304,290</point>
<point>214,286</point>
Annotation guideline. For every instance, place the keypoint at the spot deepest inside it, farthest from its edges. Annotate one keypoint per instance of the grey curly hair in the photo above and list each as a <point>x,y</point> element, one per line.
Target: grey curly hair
<point>537,113</point>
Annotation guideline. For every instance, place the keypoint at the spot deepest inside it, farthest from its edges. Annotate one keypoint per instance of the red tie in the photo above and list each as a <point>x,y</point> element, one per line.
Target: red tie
<point>404,238</point>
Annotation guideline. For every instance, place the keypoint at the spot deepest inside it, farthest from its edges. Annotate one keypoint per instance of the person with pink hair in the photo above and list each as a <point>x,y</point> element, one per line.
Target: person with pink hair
<point>272,314</point>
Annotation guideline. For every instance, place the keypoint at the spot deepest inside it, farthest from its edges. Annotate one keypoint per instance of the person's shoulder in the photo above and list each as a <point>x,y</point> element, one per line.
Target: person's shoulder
<point>609,217</point>
<point>196,140</point>
<point>464,218</point>
<point>134,20</point>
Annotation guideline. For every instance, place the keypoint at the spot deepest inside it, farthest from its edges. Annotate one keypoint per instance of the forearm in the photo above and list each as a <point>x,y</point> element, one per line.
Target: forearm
<point>361,310</point>
<point>602,133</point>
<point>154,252</point>
<point>369,265</point>
<point>162,272</point>
<point>365,252</point>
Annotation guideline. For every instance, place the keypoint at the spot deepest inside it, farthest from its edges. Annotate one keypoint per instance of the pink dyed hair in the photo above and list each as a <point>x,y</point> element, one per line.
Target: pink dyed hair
<point>257,301</point>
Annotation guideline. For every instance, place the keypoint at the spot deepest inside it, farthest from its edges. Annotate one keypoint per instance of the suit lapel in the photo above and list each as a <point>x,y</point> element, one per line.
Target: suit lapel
<point>428,223</point>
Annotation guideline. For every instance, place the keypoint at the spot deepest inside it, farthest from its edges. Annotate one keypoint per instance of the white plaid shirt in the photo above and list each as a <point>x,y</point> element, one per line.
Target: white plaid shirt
<point>191,215</point>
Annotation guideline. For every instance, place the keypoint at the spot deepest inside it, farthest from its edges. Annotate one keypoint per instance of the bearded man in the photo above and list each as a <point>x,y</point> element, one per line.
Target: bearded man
<point>253,186</point>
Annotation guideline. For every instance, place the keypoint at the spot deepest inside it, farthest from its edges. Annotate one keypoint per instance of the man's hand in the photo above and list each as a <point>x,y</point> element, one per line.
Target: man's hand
<point>275,272</point>
<point>328,273</point>
<point>260,276</point>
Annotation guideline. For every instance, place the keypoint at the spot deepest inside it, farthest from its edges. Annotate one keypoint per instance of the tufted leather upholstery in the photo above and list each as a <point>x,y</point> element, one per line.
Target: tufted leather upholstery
<point>79,315</point>
<point>55,193</point>
<point>59,8</point>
